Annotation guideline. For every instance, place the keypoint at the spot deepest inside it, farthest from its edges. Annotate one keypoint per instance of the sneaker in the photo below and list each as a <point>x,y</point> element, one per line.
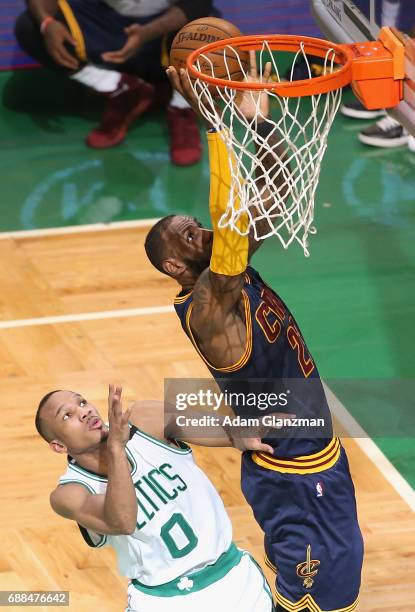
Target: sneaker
<point>411,143</point>
<point>386,133</point>
<point>132,98</point>
<point>356,110</point>
<point>185,144</point>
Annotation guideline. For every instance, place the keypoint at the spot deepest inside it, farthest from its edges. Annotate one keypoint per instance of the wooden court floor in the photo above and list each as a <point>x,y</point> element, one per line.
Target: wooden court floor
<point>106,273</point>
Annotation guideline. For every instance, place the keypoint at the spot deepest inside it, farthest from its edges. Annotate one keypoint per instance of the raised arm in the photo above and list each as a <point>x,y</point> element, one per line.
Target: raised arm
<point>115,512</point>
<point>268,150</point>
<point>218,289</point>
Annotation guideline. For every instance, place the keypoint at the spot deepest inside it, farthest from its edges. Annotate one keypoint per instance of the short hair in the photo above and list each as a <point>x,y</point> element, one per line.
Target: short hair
<point>154,244</point>
<point>38,419</point>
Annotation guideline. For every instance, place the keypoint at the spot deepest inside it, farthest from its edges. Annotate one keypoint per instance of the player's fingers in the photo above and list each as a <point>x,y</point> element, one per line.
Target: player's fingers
<point>117,394</point>
<point>110,400</point>
<point>264,448</point>
<point>66,35</point>
<point>116,57</point>
<point>255,444</point>
<point>119,55</point>
<point>253,72</point>
<point>279,419</point>
<point>130,47</point>
<point>116,405</point>
<point>66,59</point>
<point>126,415</point>
<point>187,84</point>
<point>132,29</point>
<point>267,72</point>
<point>174,79</point>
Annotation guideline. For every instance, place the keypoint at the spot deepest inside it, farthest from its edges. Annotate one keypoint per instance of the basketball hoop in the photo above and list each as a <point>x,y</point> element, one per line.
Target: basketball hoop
<point>302,114</point>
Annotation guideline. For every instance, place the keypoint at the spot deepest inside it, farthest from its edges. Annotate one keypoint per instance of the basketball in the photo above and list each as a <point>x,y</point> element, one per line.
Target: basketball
<point>223,63</point>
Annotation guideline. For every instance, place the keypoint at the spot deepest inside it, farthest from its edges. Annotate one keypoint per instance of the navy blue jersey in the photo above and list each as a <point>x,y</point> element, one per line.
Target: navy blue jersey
<point>275,351</point>
<point>302,496</point>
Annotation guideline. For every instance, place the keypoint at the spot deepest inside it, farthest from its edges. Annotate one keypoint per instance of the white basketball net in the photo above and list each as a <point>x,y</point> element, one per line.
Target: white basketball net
<point>278,197</point>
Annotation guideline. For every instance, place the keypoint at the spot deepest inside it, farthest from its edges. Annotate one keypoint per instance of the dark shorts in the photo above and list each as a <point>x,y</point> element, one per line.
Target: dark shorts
<point>102,29</point>
<point>312,535</point>
<point>96,28</point>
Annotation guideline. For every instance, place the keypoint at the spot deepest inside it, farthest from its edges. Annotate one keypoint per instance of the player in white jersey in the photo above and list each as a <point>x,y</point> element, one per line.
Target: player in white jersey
<point>144,495</point>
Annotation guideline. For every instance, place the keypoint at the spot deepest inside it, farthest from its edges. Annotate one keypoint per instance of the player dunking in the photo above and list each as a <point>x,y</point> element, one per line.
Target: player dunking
<point>302,495</point>
<point>145,496</point>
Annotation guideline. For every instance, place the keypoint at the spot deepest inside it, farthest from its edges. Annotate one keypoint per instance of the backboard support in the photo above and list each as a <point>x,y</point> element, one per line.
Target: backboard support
<point>342,21</point>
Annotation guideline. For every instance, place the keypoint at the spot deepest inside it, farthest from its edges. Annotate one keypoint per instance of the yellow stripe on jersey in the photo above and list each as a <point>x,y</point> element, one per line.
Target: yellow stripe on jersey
<point>308,601</point>
<point>307,464</point>
<point>76,32</point>
<point>230,249</point>
<point>180,299</point>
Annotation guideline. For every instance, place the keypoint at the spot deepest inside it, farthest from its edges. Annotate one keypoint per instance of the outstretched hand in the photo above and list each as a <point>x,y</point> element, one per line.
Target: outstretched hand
<point>180,81</point>
<point>250,103</point>
<point>135,39</point>
<point>119,428</point>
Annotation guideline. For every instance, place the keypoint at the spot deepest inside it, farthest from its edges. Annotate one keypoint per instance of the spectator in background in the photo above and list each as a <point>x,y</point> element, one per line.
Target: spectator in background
<point>387,132</point>
<point>120,49</point>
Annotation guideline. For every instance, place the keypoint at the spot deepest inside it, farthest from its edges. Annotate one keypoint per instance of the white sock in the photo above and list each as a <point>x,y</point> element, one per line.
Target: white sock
<point>178,101</point>
<point>390,13</point>
<point>411,143</point>
<point>100,79</point>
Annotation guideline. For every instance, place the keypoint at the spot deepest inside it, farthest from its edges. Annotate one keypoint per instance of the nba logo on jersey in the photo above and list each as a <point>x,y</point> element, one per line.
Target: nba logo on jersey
<point>319,489</point>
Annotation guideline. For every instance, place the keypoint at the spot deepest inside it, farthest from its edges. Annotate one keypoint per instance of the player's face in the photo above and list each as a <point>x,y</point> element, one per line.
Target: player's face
<point>190,241</point>
<point>74,422</point>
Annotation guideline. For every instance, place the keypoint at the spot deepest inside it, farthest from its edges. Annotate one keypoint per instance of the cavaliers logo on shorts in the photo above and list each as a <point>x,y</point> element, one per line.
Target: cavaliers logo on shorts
<point>308,569</point>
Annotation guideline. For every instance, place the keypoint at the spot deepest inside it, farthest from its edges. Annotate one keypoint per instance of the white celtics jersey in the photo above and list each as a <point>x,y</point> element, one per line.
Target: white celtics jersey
<point>182,525</point>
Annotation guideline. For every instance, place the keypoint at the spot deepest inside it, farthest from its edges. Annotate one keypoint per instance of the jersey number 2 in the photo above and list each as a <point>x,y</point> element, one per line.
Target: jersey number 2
<point>178,536</point>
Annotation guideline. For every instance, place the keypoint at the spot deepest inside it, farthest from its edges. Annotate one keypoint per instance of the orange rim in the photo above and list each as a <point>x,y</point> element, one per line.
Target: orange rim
<point>307,87</point>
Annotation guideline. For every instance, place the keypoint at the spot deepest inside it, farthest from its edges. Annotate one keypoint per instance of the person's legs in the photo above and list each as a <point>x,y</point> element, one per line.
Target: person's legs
<point>103,30</point>
<point>151,63</point>
<point>185,144</point>
<point>128,88</point>
<point>234,583</point>
<point>126,96</point>
<point>312,533</point>
<point>386,133</point>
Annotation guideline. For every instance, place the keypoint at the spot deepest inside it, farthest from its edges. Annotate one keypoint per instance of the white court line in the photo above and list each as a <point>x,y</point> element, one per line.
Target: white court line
<point>371,450</point>
<point>78,229</point>
<point>86,316</point>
